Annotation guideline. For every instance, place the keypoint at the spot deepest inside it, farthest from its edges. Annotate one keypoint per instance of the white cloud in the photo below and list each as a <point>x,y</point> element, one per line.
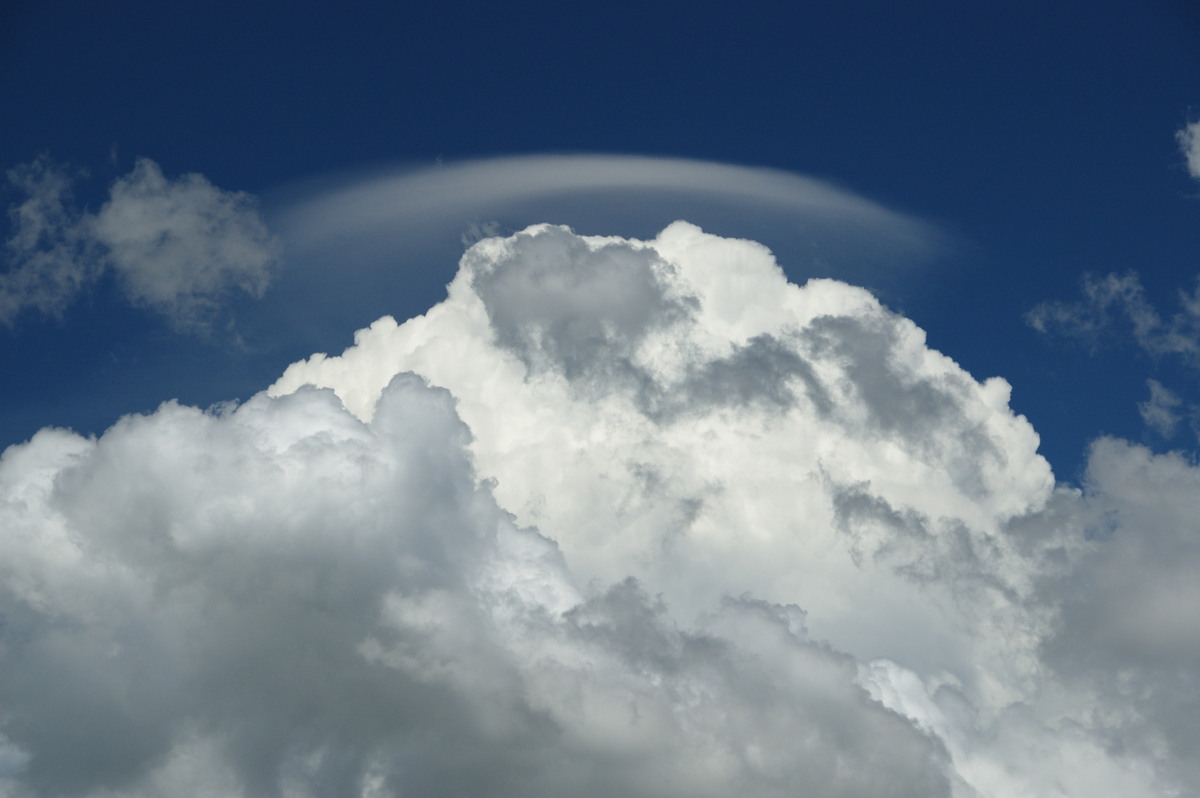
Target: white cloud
<point>1189,145</point>
<point>712,429</point>
<point>178,247</point>
<point>667,525</point>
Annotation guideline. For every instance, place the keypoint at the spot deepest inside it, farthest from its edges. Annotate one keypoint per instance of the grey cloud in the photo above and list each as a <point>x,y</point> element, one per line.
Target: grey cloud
<point>762,371</point>
<point>1129,635</point>
<point>583,312</point>
<point>556,302</point>
<point>180,248</point>
<point>878,529</point>
<point>1189,145</point>
<point>751,681</point>
<point>281,599</point>
<point>895,402</point>
<point>200,584</point>
<point>1112,299</point>
<point>50,258</point>
<point>1161,412</point>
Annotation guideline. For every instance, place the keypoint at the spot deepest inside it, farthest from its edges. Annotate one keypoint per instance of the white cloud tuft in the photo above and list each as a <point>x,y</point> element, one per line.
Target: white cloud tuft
<point>178,247</point>
<point>181,246</point>
<point>1189,145</point>
<point>618,517</point>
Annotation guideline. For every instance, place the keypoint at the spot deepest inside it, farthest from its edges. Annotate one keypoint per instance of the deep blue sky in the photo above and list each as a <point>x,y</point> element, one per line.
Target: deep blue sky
<point>1040,134</point>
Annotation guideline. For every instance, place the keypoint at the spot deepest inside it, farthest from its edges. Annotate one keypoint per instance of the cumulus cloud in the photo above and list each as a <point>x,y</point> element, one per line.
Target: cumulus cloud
<point>179,247</point>
<point>712,429</point>
<point>1128,636</point>
<point>281,598</point>
<point>618,517</point>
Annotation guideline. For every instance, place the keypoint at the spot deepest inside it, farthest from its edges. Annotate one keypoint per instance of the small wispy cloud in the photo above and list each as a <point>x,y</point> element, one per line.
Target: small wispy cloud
<point>178,247</point>
<point>1161,411</point>
<point>50,257</point>
<point>1114,301</point>
<point>1189,144</point>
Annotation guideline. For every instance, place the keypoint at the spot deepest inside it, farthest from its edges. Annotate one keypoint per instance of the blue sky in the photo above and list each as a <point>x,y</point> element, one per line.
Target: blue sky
<point>1041,137</point>
<point>612,508</point>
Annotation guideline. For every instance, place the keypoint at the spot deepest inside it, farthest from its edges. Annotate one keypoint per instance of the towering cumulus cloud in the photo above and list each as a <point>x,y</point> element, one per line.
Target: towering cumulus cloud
<point>618,517</point>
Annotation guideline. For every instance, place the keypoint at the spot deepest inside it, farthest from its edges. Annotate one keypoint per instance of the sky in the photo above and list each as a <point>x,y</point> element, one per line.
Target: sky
<point>641,400</point>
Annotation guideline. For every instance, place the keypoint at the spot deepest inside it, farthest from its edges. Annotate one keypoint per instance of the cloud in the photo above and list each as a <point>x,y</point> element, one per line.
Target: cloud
<point>1112,299</point>
<point>711,429</point>
<point>387,228</point>
<point>617,517</point>
<point>1128,636</point>
<point>283,598</point>
<point>51,259</point>
<point>180,248</point>
<point>1161,411</point>
<point>1189,144</point>
<point>362,205</point>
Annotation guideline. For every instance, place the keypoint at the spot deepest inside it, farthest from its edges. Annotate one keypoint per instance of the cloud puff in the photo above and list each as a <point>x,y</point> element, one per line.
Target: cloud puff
<point>619,516</point>
<point>177,247</point>
<point>1189,145</point>
<point>181,246</point>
